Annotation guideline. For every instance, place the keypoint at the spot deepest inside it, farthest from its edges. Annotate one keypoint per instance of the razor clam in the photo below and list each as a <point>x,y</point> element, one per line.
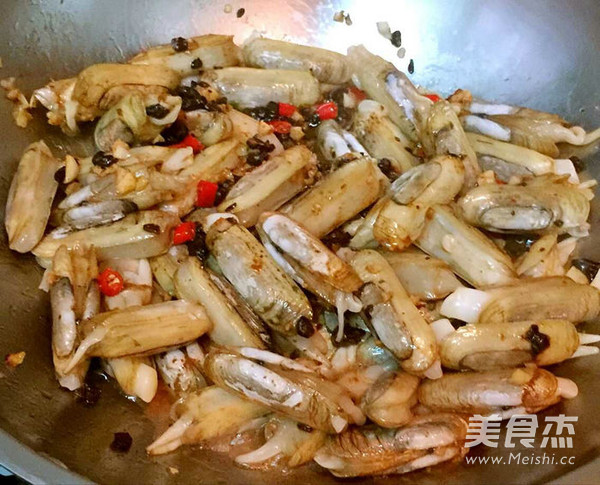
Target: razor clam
<point>333,200</point>
<point>245,127</point>
<point>389,400</point>
<point>97,213</point>
<point>509,344</point>
<point>145,330</point>
<point>74,296</point>
<point>203,415</point>
<point>327,66</point>
<point>309,262</point>
<point>272,184</point>
<point>136,376</point>
<point>381,137</point>
<point>216,162</point>
<point>299,395</point>
<point>246,87</point>
<point>425,441</point>
<point>127,121</point>
<point>423,276</point>
<point>137,279</point>
<point>126,238</point>
<point>210,127</point>
<point>289,445</point>
<point>467,251</point>
<point>165,266</point>
<point>536,206</point>
<point>555,297</point>
<point>180,371</point>
<point>194,283</point>
<point>394,317</point>
<point>506,159</point>
<point>397,222</point>
<point>335,142</point>
<point>533,129</point>
<point>30,197</point>
<point>213,50</point>
<point>445,136</point>
<point>406,107</point>
<point>95,86</point>
<point>499,392</point>
<point>269,291</point>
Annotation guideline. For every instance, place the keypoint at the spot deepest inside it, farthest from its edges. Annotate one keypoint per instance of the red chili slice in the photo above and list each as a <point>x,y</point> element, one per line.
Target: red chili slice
<point>189,141</point>
<point>434,97</point>
<point>206,193</point>
<point>327,111</point>
<point>184,232</point>
<point>285,109</point>
<point>280,126</point>
<point>110,282</point>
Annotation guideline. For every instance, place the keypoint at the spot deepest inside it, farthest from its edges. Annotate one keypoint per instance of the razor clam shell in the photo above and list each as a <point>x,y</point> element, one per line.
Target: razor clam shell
<point>504,345</point>
<point>247,87</point>
<point>126,238</point>
<point>536,207</point>
<point>298,395</point>
<point>327,66</point>
<point>556,297</point>
<point>468,252</point>
<point>334,200</point>
<point>381,137</point>
<point>423,276</point>
<point>193,283</point>
<point>272,184</point>
<point>97,213</point>
<point>94,82</point>
<point>372,450</point>
<point>374,269</point>
<point>269,291</point>
<point>213,50</point>
<point>30,197</point>
<point>488,392</point>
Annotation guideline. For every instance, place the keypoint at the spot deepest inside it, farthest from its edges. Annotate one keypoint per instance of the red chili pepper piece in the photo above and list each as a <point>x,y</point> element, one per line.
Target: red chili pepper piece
<point>285,109</point>
<point>110,282</point>
<point>359,94</point>
<point>189,141</point>
<point>206,193</point>
<point>434,97</point>
<point>184,232</point>
<point>327,111</point>
<point>280,126</point>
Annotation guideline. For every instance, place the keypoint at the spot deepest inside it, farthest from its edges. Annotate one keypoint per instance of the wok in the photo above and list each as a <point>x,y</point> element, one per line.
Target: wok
<point>542,54</point>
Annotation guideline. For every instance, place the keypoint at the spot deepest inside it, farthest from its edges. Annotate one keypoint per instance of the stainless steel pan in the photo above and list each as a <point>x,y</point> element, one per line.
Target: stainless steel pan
<point>543,54</point>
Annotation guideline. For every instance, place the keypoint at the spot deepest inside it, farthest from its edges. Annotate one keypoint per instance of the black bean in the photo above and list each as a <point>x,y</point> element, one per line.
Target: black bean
<point>262,113</point>
<point>313,120</point>
<point>121,442</point>
<point>411,67</point>
<point>196,63</point>
<point>396,39</point>
<point>539,341</point>
<point>157,111</point>
<point>202,84</point>
<point>255,158</point>
<point>516,246</point>
<point>304,327</point>
<point>152,228</point>
<point>103,159</point>
<point>256,143</point>
<point>578,163</point>
<point>191,99</point>
<point>385,165</point>
<point>59,175</point>
<point>588,267</point>
<point>88,395</point>
<point>197,246</point>
<point>352,336</point>
<point>223,190</point>
<point>179,44</point>
<point>305,427</point>
<point>240,13</point>
<point>174,133</point>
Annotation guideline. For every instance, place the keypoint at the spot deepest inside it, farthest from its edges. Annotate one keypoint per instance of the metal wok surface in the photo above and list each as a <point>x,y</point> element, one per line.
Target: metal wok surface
<point>543,54</point>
